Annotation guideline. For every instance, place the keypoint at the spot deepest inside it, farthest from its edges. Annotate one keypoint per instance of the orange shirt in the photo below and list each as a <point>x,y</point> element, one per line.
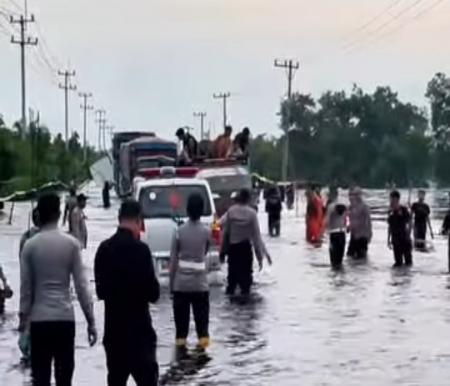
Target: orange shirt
<point>223,146</point>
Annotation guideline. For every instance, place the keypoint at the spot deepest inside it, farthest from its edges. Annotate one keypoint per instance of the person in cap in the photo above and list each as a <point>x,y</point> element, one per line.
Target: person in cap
<point>189,146</point>
<point>421,216</point>
<point>77,221</point>
<point>125,280</point>
<point>50,261</point>
<point>360,225</point>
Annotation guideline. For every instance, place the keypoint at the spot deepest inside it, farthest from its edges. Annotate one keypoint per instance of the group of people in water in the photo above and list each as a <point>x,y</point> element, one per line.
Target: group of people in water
<point>336,219</point>
<point>126,282</point>
<point>223,147</point>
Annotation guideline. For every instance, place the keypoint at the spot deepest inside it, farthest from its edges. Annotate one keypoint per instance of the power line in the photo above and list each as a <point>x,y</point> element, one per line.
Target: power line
<point>401,26</point>
<point>17,6</point>
<point>379,15</point>
<point>67,86</point>
<point>23,41</point>
<point>383,26</point>
<point>46,48</point>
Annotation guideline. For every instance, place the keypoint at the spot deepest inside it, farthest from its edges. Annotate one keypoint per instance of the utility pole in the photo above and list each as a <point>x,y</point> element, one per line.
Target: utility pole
<point>202,116</point>
<point>86,107</point>
<point>67,86</point>
<point>291,66</point>
<point>224,97</point>
<point>100,113</point>
<point>109,129</point>
<point>23,41</point>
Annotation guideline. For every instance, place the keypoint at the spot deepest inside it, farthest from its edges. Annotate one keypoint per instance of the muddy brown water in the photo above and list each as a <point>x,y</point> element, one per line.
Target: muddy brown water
<point>304,325</point>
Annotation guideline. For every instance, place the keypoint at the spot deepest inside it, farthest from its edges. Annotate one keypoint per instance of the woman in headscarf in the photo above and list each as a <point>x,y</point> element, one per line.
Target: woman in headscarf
<point>314,217</point>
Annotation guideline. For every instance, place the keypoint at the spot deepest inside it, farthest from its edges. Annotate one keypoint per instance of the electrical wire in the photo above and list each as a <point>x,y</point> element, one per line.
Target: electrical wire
<point>383,26</point>
<point>403,25</point>
<point>374,19</point>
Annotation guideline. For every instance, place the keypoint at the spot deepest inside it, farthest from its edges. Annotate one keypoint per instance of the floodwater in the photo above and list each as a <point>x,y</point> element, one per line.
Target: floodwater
<point>305,325</point>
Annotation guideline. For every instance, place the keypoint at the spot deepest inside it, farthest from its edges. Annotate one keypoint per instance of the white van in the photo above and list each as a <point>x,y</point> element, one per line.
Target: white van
<point>163,202</point>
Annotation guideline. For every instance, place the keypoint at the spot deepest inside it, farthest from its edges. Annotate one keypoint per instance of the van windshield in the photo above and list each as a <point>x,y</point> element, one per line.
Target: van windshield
<point>171,201</point>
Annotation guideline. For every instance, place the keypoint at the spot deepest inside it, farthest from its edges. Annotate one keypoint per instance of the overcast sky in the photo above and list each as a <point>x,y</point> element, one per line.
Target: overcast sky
<point>152,63</point>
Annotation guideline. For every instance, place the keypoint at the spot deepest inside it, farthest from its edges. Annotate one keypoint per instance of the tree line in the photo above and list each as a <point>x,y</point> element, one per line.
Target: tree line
<point>29,158</point>
<point>370,139</point>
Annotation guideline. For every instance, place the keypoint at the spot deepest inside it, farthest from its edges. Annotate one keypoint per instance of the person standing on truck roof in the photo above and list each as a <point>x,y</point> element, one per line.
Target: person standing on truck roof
<point>242,143</point>
<point>223,145</point>
<point>188,275</point>
<point>242,234</point>
<point>190,147</point>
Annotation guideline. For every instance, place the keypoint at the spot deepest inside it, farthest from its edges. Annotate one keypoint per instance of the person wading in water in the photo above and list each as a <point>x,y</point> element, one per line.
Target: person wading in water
<point>273,209</point>
<point>125,280</point>
<point>48,263</point>
<point>314,217</point>
<point>399,233</point>
<point>336,224</point>
<point>188,275</point>
<point>360,225</point>
<point>446,232</point>
<point>241,233</point>
<point>421,212</point>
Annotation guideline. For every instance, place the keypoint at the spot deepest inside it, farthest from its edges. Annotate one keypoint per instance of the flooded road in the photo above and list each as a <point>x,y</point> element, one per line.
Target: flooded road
<point>305,325</point>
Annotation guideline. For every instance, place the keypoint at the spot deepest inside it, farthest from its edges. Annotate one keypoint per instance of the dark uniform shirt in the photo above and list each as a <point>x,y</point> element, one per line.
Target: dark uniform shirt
<point>399,221</point>
<point>274,207</point>
<point>125,279</point>
<point>190,145</point>
<point>421,213</point>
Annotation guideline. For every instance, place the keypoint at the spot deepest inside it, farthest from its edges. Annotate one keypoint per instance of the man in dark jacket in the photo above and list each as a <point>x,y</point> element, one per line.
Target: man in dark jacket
<point>273,209</point>
<point>126,281</point>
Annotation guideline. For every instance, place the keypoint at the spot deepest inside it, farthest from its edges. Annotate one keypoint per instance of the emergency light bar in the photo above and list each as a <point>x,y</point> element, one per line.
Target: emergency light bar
<point>168,172</point>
